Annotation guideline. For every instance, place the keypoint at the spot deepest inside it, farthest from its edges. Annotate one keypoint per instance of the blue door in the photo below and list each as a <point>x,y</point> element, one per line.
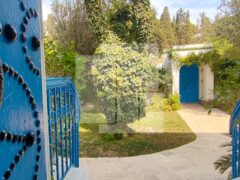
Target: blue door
<point>189,84</point>
<point>22,144</point>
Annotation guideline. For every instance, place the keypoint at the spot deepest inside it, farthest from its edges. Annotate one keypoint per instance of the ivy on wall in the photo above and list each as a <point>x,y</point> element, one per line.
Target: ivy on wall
<point>192,58</point>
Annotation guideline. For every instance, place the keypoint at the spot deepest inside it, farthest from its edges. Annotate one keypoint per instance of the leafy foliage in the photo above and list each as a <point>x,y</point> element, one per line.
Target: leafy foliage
<point>80,77</point>
<point>155,104</point>
<point>121,20</point>
<point>168,38</point>
<point>206,31</point>
<point>224,162</point>
<point>164,81</point>
<point>200,59</point>
<point>228,21</point>
<point>141,15</point>
<point>59,61</point>
<point>112,137</point>
<point>228,84</point>
<point>184,28</point>
<point>64,62</point>
<point>121,75</point>
<point>96,17</point>
<point>128,19</point>
<point>68,23</point>
<point>172,103</point>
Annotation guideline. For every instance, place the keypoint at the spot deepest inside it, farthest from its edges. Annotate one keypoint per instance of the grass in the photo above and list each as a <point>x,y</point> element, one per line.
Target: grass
<point>156,132</point>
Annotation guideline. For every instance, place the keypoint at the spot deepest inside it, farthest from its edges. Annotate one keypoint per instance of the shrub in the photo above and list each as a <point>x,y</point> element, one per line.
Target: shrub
<point>118,135</point>
<point>108,137</point>
<point>63,61</point>
<point>162,81</point>
<point>121,75</point>
<point>172,103</point>
<point>165,81</point>
<point>60,61</point>
<point>155,104</point>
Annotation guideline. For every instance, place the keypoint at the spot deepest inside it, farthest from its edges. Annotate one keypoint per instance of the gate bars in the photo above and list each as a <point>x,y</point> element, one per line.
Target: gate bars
<point>235,133</point>
<point>63,123</point>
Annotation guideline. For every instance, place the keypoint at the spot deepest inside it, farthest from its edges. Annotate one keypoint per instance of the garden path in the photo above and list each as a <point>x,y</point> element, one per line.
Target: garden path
<point>193,161</point>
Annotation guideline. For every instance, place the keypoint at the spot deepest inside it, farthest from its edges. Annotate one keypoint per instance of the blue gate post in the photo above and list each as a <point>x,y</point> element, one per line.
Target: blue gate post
<point>23,130</point>
<point>235,133</point>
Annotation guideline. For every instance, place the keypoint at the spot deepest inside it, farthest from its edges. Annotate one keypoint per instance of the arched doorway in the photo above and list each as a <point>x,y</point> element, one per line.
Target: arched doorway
<point>189,84</point>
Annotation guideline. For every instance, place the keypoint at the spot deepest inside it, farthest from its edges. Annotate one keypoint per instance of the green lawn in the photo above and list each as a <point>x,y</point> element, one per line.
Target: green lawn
<point>156,132</point>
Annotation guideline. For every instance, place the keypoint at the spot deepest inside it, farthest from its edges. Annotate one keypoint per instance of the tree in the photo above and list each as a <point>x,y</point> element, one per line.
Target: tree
<point>188,30</point>
<point>228,21</point>
<point>180,23</point>
<point>166,29</point>
<point>227,68</point>
<point>184,28</point>
<point>121,20</point>
<point>156,34</point>
<point>141,20</point>
<point>63,26</point>
<point>205,31</point>
<point>174,27</point>
<point>121,75</point>
<point>130,20</point>
<point>96,17</point>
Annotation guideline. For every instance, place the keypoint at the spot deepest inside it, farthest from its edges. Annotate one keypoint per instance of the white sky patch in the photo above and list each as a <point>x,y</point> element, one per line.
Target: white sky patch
<point>46,6</point>
<point>195,7</point>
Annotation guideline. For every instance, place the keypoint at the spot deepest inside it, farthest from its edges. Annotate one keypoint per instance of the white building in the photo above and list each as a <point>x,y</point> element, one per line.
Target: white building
<point>192,83</point>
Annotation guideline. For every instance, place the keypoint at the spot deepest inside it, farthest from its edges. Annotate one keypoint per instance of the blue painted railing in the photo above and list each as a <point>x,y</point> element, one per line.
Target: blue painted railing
<point>63,120</point>
<point>235,132</point>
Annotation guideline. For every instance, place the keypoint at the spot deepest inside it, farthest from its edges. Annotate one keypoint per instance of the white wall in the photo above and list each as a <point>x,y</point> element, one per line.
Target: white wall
<point>206,80</point>
<point>176,78</point>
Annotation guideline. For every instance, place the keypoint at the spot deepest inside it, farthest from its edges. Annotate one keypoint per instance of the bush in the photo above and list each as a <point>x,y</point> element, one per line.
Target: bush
<point>172,103</point>
<point>165,82</point>
<point>63,61</point>
<point>227,84</point>
<point>121,75</point>
<point>108,137</point>
<point>155,104</point>
<point>112,136</point>
<point>60,61</point>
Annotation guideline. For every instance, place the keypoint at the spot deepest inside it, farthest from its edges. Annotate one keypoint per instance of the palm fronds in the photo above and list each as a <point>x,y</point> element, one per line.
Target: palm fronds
<point>224,162</point>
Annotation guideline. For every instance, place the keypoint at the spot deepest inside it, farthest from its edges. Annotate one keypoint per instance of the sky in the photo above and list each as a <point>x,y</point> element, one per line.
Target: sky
<point>195,7</point>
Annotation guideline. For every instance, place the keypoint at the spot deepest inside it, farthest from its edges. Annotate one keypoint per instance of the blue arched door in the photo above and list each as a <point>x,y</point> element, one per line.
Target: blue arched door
<point>189,84</point>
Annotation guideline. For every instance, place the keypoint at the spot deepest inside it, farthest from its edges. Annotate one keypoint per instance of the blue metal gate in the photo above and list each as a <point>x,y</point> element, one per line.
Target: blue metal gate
<point>235,132</point>
<point>63,119</point>
<point>189,84</point>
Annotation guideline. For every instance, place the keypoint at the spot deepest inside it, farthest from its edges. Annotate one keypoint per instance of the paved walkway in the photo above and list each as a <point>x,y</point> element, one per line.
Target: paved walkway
<point>193,161</point>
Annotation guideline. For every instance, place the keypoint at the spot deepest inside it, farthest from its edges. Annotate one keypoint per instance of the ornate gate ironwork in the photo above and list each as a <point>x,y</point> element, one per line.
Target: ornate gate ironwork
<point>235,132</point>
<point>63,119</point>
